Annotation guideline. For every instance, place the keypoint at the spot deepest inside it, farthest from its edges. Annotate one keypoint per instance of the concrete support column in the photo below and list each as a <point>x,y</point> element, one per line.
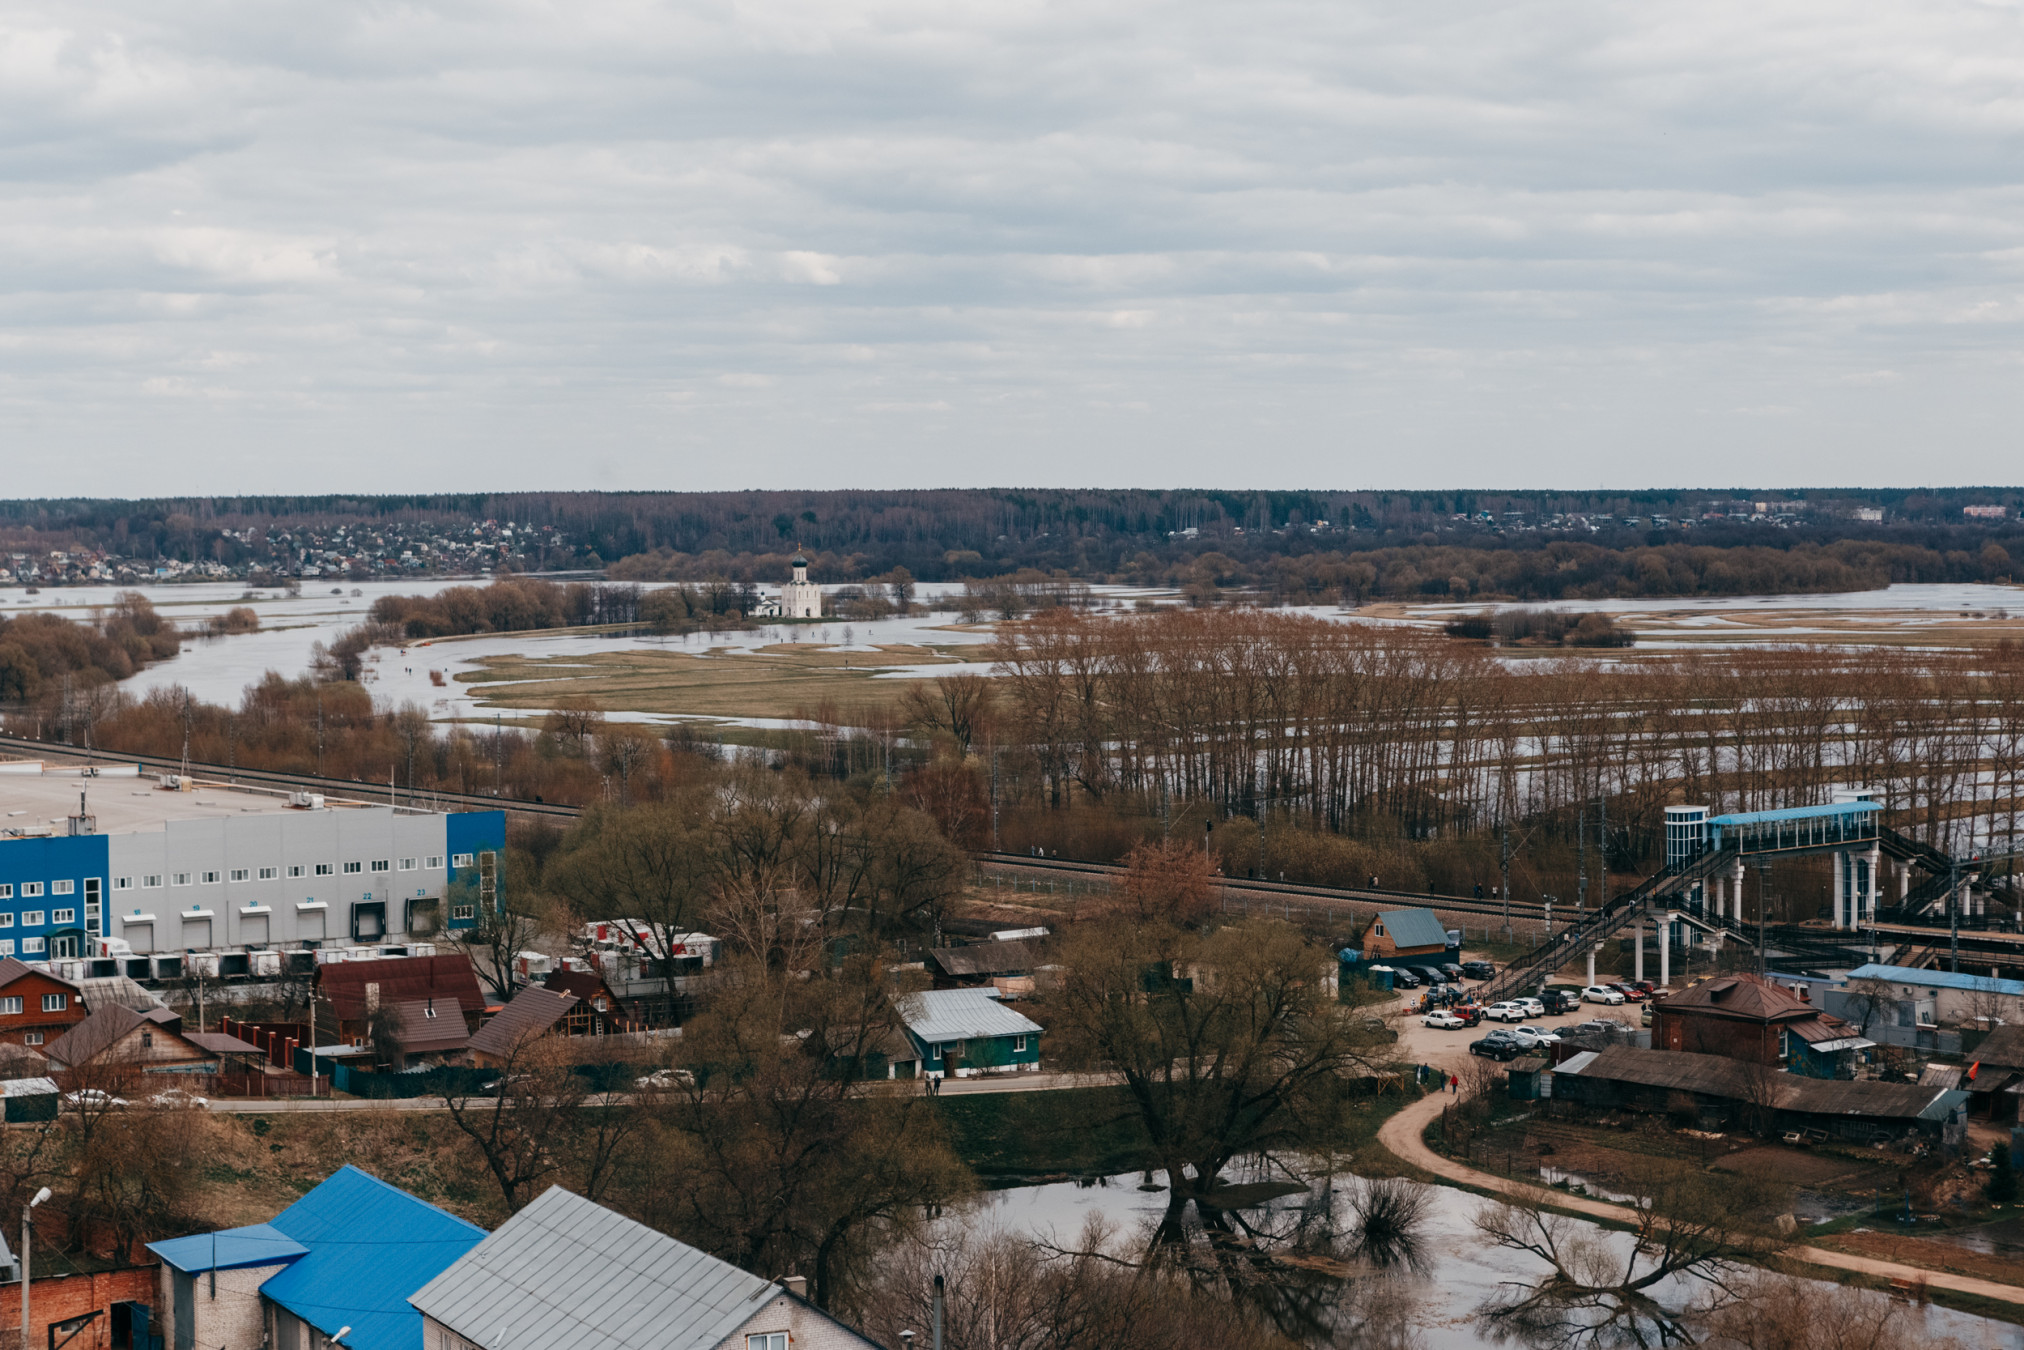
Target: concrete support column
<point>1637,963</point>
<point>1721,897</point>
<point>1591,965</point>
<point>1844,886</point>
<point>1904,881</point>
<point>1736,885</point>
<point>1666,952</point>
<point>1875,887</point>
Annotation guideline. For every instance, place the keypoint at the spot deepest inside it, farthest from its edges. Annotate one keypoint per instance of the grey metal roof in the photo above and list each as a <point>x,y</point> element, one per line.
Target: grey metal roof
<point>960,1015</point>
<point>566,1274</point>
<point>1414,928</point>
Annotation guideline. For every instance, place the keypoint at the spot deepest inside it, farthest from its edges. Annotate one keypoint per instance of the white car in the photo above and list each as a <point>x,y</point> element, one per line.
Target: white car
<point>91,1099</point>
<point>1596,993</point>
<point>1504,1012</point>
<point>663,1079</point>
<point>1532,1006</point>
<point>177,1099</point>
<point>1537,1035</point>
<point>1444,1021</point>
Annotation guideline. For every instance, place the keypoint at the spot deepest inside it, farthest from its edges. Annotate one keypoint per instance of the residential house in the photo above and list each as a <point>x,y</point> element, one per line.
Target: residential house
<point>346,1255</point>
<point>1004,966</point>
<point>118,1037</point>
<point>349,993</point>
<point>967,1032</point>
<point>1994,1077</point>
<point>426,1029</point>
<point>1405,934</point>
<point>535,1012</point>
<point>589,986</point>
<point>1752,1019</point>
<point>1737,1092</point>
<point>566,1274</point>
<point>35,1006</point>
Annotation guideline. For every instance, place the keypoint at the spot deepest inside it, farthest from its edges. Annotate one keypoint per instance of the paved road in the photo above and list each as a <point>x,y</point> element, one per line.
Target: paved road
<point>1402,1135</point>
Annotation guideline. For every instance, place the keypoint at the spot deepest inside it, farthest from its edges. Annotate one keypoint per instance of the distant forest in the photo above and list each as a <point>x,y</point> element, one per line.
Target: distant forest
<point>1362,545</point>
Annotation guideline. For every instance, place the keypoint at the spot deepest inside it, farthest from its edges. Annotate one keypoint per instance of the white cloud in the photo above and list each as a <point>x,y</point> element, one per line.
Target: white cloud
<point>437,243</point>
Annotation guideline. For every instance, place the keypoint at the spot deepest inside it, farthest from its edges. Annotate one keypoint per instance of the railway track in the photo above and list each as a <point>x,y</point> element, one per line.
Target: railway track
<point>1309,896</point>
<point>347,787</point>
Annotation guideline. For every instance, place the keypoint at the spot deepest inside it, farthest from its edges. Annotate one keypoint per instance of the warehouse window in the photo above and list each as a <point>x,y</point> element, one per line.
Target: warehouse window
<point>381,865</point>
<point>210,878</point>
<point>323,869</point>
<point>242,874</point>
<point>296,869</point>
<point>6,946</point>
<point>6,920</point>
<point>122,883</point>
<point>407,864</point>
<point>461,860</point>
<point>31,946</point>
<point>63,916</point>
<point>435,861</point>
<point>63,888</point>
<point>463,911</point>
<point>350,869</point>
<point>31,918</point>
<point>152,883</point>
<point>179,878</point>
<point>269,873</point>
<point>6,892</point>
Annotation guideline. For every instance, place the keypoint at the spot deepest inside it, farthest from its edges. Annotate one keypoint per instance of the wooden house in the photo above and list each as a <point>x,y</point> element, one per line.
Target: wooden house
<point>1400,934</point>
<point>35,1006</point>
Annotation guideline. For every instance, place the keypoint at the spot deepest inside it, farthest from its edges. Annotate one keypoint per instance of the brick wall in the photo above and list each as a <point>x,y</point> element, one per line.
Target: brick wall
<point>58,1298</point>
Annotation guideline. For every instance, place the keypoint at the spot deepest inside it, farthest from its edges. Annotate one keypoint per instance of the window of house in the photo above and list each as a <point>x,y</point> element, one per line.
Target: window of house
<point>381,865</point>
<point>435,861</point>
<point>147,1040</point>
<point>7,892</point>
<point>461,860</point>
<point>63,888</point>
<point>30,889</point>
<point>32,1038</point>
<point>6,946</point>
<point>242,874</point>
<point>598,1003</point>
<point>31,945</point>
<point>63,916</point>
<point>31,918</point>
<point>269,873</point>
<point>122,883</point>
<point>407,864</point>
<point>55,1002</point>
<point>152,882</point>
<point>463,911</point>
<point>179,878</point>
<point>766,1340</point>
<point>6,920</point>
<point>210,878</point>
<point>10,1007</point>
<point>351,869</point>
<point>323,869</point>
<point>1018,1045</point>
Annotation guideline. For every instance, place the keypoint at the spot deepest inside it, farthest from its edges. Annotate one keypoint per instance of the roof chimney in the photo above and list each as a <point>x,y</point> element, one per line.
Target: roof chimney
<point>796,1285</point>
<point>1804,996</point>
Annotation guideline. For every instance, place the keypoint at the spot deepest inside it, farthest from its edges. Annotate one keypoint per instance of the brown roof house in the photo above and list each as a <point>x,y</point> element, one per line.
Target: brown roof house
<point>537,1012</point>
<point>1994,1074</point>
<point>1004,966</point>
<point>117,1037</point>
<point>350,993</point>
<point>589,986</point>
<point>35,1006</point>
<point>1746,1018</point>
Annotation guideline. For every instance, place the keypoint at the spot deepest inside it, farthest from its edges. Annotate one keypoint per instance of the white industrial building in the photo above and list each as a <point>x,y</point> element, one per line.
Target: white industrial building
<point>113,868</point>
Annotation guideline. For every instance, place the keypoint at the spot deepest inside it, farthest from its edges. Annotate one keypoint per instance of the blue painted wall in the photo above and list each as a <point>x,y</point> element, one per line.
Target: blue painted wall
<point>475,832</point>
<point>64,858</point>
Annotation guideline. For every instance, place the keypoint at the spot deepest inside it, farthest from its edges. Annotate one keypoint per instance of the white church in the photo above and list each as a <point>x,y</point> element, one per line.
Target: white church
<point>799,598</point>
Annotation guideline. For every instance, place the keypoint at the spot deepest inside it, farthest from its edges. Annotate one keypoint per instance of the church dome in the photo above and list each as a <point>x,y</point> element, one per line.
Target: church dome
<point>800,561</point>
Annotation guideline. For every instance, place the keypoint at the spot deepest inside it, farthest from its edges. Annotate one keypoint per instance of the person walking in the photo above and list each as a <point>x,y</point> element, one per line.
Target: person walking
<point>1455,1085</point>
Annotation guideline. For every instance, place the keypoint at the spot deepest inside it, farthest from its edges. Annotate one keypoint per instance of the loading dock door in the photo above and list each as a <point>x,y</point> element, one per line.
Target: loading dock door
<point>369,921</point>
<point>253,929</point>
<point>196,934</point>
<point>141,936</point>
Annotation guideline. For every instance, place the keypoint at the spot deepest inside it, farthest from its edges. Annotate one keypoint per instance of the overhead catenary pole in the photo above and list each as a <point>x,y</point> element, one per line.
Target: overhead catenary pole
<point>1504,869</point>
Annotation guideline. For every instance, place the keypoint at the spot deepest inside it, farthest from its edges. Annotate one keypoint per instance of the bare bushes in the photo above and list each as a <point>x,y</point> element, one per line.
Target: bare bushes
<point>1388,1214</point>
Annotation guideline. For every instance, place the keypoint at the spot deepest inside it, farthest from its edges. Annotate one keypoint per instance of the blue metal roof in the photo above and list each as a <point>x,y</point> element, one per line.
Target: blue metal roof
<point>257,1244</point>
<point>1940,979</point>
<point>368,1246</point>
<point>1798,813</point>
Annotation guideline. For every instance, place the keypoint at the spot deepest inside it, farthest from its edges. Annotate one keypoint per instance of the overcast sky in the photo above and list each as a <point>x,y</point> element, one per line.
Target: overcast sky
<point>417,246</point>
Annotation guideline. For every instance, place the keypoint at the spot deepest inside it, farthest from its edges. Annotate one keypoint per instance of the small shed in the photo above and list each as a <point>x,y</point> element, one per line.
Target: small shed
<point>29,1099</point>
<point>1405,932</point>
<point>1004,966</point>
<point>1529,1078</point>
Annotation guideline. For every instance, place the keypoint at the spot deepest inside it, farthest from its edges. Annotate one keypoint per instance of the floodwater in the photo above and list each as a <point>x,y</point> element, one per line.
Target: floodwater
<point>1460,1273</point>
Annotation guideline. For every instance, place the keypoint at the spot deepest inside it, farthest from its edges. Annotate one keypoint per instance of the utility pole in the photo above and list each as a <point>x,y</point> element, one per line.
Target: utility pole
<point>1504,869</point>
<point>1581,864</point>
<point>1954,914</point>
<point>27,1246</point>
<point>994,799</point>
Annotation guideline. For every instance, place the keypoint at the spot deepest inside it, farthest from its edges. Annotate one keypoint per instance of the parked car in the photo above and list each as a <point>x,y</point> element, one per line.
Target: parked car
<point>1472,1013</point>
<point>1601,1029</point>
<point>663,1079</point>
<point>1431,974</point>
<point>1506,1011</point>
<point>501,1086</point>
<point>1479,970</point>
<point>1560,1001</point>
<point>1532,1006</point>
<point>1378,1029</point>
<point>1499,1045</point>
<point>91,1099</point>
<point>1443,1021</point>
<point>177,1099</point>
<point>1454,972</point>
<point>1603,994</point>
<point>1403,978</point>
<point>1630,992</point>
<point>1539,1035</point>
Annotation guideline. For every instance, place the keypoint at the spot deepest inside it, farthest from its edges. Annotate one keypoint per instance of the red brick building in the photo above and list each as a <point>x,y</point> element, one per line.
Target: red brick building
<point>1744,1017</point>
<point>35,1006</point>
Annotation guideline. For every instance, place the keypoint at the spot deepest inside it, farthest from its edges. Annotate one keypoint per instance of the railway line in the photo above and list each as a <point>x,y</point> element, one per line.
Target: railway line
<point>376,793</point>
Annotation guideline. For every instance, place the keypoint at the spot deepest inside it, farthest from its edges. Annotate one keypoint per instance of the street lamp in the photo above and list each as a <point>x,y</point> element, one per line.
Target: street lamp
<point>27,1232</point>
<point>339,1335</point>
